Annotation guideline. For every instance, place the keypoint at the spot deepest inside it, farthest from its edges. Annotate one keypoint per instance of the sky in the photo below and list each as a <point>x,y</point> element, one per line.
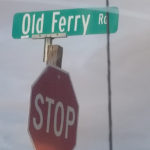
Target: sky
<point>85,59</point>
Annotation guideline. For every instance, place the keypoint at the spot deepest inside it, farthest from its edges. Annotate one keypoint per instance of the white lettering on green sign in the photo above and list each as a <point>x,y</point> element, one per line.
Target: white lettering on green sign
<point>102,19</point>
<point>27,25</point>
<point>63,21</point>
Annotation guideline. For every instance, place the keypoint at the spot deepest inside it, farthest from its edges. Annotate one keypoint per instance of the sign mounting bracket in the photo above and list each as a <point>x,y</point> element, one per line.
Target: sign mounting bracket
<point>48,52</point>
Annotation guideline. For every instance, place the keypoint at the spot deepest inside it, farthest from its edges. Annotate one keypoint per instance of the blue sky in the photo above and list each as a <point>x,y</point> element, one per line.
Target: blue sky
<point>85,59</point>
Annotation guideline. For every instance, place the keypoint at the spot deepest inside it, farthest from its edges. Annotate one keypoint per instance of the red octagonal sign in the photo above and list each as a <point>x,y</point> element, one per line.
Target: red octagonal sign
<point>53,111</point>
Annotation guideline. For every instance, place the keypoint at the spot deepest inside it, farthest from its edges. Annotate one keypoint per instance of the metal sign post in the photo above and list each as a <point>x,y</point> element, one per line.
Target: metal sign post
<point>47,42</point>
<point>52,53</point>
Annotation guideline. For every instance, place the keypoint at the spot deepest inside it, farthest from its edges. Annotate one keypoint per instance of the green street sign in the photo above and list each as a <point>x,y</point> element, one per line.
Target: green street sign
<point>80,21</point>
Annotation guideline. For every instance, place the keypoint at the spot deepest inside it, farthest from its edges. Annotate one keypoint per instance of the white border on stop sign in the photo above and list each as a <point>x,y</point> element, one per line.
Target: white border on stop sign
<point>31,96</point>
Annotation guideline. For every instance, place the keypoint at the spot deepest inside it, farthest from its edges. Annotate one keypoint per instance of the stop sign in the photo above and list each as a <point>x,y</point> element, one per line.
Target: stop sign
<point>53,111</point>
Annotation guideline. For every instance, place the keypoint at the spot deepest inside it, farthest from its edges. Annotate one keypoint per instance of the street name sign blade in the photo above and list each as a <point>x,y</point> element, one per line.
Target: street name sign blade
<point>53,111</point>
<point>80,21</point>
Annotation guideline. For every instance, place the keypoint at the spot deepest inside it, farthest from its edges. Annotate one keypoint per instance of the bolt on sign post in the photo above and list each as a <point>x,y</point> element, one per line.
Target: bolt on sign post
<point>53,111</point>
<point>81,21</point>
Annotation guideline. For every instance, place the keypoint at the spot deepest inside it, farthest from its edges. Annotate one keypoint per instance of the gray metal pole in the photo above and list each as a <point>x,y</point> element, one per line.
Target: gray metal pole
<point>47,42</point>
<point>109,80</point>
